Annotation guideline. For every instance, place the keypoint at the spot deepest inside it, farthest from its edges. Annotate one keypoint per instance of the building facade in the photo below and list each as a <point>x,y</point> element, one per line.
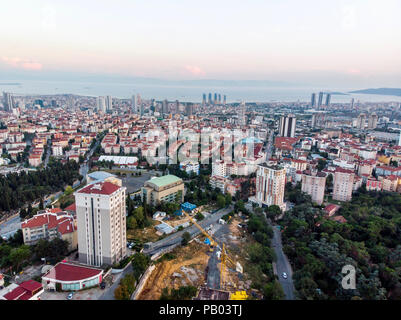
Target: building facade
<point>270,185</point>
<point>287,126</point>
<point>343,184</point>
<point>101,216</point>
<point>167,188</point>
<point>314,183</point>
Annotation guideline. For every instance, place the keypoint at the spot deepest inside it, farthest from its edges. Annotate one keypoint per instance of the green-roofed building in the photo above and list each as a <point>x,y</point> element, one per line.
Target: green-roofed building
<point>167,188</point>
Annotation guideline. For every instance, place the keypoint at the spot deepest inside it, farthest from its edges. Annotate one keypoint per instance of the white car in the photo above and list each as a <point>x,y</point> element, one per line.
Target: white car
<point>69,297</point>
<point>284,275</point>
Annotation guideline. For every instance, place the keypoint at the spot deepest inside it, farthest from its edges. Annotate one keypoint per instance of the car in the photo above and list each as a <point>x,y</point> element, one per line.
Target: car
<point>284,275</point>
<point>102,285</point>
<point>70,295</point>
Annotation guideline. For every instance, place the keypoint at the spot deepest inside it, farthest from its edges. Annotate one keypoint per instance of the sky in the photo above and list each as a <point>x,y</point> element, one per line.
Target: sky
<point>353,42</point>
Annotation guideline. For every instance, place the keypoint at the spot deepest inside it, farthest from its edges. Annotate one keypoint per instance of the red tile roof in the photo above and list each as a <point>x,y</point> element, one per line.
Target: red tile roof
<point>24,291</point>
<point>71,272</point>
<point>72,207</point>
<point>104,187</point>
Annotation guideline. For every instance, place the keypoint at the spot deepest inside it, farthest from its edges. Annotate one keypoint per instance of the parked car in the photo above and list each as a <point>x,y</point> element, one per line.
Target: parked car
<point>102,285</point>
<point>70,295</point>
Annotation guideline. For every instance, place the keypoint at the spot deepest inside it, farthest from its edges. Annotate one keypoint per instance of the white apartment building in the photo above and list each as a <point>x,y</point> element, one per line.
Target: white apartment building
<point>219,168</point>
<point>57,150</point>
<point>314,183</point>
<point>270,185</point>
<point>101,217</point>
<point>343,184</point>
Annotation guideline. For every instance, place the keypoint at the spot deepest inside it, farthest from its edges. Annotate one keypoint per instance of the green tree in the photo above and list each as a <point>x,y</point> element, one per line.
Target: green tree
<point>273,291</point>
<point>221,201</point>
<point>186,237</point>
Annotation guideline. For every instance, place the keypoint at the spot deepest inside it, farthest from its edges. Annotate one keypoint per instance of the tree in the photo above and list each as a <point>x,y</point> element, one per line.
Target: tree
<point>321,164</point>
<point>68,190</point>
<point>19,255</point>
<point>273,212</point>
<point>228,199</point>
<point>221,201</point>
<point>273,291</point>
<point>131,223</point>
<point>121,293</point>
<point>186,237</point>
<point>140,263</point>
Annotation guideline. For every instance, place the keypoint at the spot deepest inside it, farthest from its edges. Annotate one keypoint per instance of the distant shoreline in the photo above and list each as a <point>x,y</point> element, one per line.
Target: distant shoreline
<point>380,91</point>
<point>10,84</point>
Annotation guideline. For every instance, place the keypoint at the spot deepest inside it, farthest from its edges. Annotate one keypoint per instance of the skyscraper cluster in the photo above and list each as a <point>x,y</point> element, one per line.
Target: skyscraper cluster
<point>217,99</point>
<point>320,99</point>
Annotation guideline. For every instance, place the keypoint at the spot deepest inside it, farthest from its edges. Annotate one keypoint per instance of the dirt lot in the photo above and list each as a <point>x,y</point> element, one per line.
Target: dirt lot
<point>238,241</point>
<point>177,222</point>
<point>188,268</point>
<point>144,235</point>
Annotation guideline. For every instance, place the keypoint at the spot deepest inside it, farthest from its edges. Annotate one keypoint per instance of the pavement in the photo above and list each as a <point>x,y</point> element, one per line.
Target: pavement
<point>283,265</point>
<point>108,292</point>
<point>8,228</point>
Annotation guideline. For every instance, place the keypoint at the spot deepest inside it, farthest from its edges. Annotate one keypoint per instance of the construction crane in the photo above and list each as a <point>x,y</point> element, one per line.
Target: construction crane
<point>224,258</point>
<point>204,232</point>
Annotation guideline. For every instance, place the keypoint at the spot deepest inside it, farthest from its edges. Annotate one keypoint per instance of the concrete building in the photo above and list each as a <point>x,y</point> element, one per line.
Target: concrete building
<point>314,183</point>
<point>109,103</point>
<point>219,168</point>
<point>287,126</point>
<point>270,185</point>
<point>8,101</point>
<point>101,216</point>
<point>343,184</point>
<point>101,104</point>
<point>320,101</point>
<point>360,123</point>
<point>372,121</point>
<point>166,188</point>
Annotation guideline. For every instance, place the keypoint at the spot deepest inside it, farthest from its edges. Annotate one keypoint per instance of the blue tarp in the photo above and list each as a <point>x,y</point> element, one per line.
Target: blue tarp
<point>188,206</point>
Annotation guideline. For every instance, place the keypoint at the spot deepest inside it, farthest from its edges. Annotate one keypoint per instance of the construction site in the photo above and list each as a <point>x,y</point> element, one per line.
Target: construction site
<point>212,262</point>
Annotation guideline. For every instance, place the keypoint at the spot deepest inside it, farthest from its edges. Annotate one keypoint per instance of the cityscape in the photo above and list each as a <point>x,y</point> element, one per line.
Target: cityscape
<point>203,196</point>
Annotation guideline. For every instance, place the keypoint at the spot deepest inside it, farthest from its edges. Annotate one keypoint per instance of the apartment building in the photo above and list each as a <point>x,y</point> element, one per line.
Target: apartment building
<point>101,216</point>
<point>343,184</point>
<point>314,183</point>
<point>270,185</point>
<point>51,224</point>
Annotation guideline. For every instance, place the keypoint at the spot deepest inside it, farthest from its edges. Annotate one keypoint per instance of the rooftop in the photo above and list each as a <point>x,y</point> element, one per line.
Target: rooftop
<point>164,180</point>
<point>71,272</point>
<point>105,188</point>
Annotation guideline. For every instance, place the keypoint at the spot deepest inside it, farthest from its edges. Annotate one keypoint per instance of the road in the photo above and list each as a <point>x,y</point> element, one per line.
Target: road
<point>109,290</point>
<point>84,168</point>
<point>10,227</point>
<point>176,238</point>
<point>283,265</point>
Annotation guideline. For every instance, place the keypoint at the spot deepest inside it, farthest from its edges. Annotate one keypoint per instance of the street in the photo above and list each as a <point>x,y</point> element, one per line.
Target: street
<point>108,293</point>
<point>283,265</point>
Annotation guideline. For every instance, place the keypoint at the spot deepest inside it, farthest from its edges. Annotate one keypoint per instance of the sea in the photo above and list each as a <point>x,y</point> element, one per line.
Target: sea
<point>186,93</point>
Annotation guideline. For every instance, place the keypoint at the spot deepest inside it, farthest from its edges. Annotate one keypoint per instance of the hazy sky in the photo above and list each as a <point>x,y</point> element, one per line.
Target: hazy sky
<point>334,41</point>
